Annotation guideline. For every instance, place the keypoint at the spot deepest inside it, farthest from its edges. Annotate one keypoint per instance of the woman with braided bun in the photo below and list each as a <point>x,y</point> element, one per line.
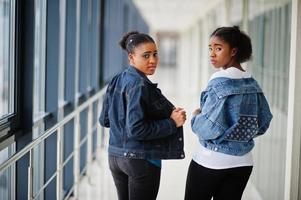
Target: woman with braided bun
<point>233,110</point>
<point>145,127</point>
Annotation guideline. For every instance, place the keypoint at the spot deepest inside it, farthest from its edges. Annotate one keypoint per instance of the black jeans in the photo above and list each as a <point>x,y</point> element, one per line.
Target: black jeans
<point>135,179</point>
<point>204,183</point>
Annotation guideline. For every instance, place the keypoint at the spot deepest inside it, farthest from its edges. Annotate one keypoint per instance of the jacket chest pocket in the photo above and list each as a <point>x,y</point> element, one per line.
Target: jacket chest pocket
<point>160,108</point>
<point>160,104</point>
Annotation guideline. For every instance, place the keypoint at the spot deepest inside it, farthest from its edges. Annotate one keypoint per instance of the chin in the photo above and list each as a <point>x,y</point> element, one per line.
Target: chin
<point>151,72</point>
<point>217,67</point>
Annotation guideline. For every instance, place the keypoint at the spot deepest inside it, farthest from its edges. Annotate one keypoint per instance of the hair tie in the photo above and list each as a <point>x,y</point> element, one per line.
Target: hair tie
<point>236,28</point>
<point>128,41</point>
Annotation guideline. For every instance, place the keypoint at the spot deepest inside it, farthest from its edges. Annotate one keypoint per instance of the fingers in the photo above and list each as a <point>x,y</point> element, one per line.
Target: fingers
<point>179,116</point>
<point>196,112</point>
<point>178,109</point>
<point>181,112</point>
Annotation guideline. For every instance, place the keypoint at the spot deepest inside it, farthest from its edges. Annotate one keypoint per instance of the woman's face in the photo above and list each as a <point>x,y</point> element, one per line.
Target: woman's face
<point>221,54</point>
<point>145,58</point>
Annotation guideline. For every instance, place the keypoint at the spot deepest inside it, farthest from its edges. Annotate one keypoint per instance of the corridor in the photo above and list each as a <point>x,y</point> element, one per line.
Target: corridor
<point>57,57</point>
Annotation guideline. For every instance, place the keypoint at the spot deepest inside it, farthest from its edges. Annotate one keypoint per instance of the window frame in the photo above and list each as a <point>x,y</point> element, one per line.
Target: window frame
<point>10,123</point>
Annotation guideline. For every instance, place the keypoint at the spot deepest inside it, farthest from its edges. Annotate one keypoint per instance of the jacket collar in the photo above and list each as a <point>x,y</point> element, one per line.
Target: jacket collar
<point>135,71</point>
<point>226,86</point>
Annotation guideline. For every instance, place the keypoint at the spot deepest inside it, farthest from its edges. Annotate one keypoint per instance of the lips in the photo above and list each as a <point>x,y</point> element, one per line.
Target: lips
<point>213,61</point>
<point>152,67</point>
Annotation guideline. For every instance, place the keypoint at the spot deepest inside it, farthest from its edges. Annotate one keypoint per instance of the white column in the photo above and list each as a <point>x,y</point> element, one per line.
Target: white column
<point>294,108</point>
<point>227,9</point>
<point>245,11</point>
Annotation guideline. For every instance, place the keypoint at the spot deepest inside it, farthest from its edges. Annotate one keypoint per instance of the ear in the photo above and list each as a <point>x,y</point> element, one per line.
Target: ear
<point>233,52</point>
<point>131,58</point>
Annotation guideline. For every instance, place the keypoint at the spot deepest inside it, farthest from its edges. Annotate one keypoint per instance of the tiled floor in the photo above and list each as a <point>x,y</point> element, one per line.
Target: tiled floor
<point>100,185</point>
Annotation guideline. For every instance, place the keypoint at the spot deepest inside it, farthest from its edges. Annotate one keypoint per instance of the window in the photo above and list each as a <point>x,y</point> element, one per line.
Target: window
<point>168,49</point>
<point>7,176</point>
<point>39,113</point>
<point>268,29</point>
<point>39,61</point>
<point>8,108</point>
<point>6,59</point>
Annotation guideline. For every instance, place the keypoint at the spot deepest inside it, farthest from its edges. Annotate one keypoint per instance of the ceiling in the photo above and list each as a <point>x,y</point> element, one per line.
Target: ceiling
<point>169,15</point>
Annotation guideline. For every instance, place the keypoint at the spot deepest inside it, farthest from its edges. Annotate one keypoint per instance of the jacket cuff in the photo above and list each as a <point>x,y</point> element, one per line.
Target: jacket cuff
<point>172,125</point>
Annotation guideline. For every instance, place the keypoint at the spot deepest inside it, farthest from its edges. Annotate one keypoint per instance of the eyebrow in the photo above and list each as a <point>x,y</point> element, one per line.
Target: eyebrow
<point>215,45</point>
<point>150,52</point>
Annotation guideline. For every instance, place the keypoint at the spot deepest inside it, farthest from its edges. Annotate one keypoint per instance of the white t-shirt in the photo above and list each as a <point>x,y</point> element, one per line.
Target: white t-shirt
<point>216,160</point>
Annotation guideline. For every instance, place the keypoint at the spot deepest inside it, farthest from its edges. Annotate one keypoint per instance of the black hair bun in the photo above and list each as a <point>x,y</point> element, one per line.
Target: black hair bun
<point>125,37</point>
<point>236,28</point>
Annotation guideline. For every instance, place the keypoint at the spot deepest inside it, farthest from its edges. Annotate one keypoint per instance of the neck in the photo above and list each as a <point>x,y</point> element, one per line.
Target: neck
<point>233,63</point>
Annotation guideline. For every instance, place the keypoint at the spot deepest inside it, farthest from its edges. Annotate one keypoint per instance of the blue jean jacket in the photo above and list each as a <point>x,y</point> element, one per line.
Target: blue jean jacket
<point>233,112</point>
<point>139,119</point>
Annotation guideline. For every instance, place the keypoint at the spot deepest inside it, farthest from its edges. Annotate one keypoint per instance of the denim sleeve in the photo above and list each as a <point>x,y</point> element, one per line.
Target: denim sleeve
<point>205,125</point>
<point>104,118</point>
<point>264,116</point>
<point>138,125</point>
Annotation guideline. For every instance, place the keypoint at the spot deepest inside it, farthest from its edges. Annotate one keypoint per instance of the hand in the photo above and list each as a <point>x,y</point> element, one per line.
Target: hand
<point>179,116</point>
<point>196,112</point>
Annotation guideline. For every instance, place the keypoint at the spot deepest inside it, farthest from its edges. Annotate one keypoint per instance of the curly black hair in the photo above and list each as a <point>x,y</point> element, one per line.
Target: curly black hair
<point>236,39</point>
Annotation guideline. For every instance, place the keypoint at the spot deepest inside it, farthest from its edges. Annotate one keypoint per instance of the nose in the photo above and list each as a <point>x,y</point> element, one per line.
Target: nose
<point>153,59</point>
<point>211,53</point>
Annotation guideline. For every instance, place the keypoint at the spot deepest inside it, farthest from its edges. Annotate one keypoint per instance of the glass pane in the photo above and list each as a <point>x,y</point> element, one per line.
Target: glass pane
<point>167,49</point>
<point>4,184</point>
<point>270,38</point>
<point>6,176</point>
<point>38,166</point>
<point>39,62</point>
<point>39,95</point>
<point>256,8</point>
<point>5,69</point>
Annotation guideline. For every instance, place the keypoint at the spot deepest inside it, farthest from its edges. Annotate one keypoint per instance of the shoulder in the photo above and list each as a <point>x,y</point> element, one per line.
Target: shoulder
<point>226,86</point>
<point>231,73</point>
<point>126,80</point>
<point>133,78</point>
<point>218,74</point>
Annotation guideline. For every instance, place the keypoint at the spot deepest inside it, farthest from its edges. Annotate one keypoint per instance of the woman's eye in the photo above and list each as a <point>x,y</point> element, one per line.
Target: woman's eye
<point>155,54</point>
<point>146,56</point>
<point>218,49</point>
<point>210,49</point>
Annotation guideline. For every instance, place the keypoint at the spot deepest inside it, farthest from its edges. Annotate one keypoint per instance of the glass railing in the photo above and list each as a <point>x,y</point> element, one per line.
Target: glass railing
<point>30,150</point>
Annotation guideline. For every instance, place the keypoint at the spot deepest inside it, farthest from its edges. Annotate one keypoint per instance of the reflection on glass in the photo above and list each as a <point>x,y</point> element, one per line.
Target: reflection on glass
<point>39,62</point>
<point>269,23</point>
<point>4,58</point>
<point>5,180</point>
<point>168,49</point>
<point>38,165</point>
<point>4,176</point>
<point>39,95</point>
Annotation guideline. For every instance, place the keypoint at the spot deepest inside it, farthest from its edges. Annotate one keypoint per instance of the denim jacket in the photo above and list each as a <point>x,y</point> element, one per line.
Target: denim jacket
<point>233,112</point>
<point>139,119</point>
